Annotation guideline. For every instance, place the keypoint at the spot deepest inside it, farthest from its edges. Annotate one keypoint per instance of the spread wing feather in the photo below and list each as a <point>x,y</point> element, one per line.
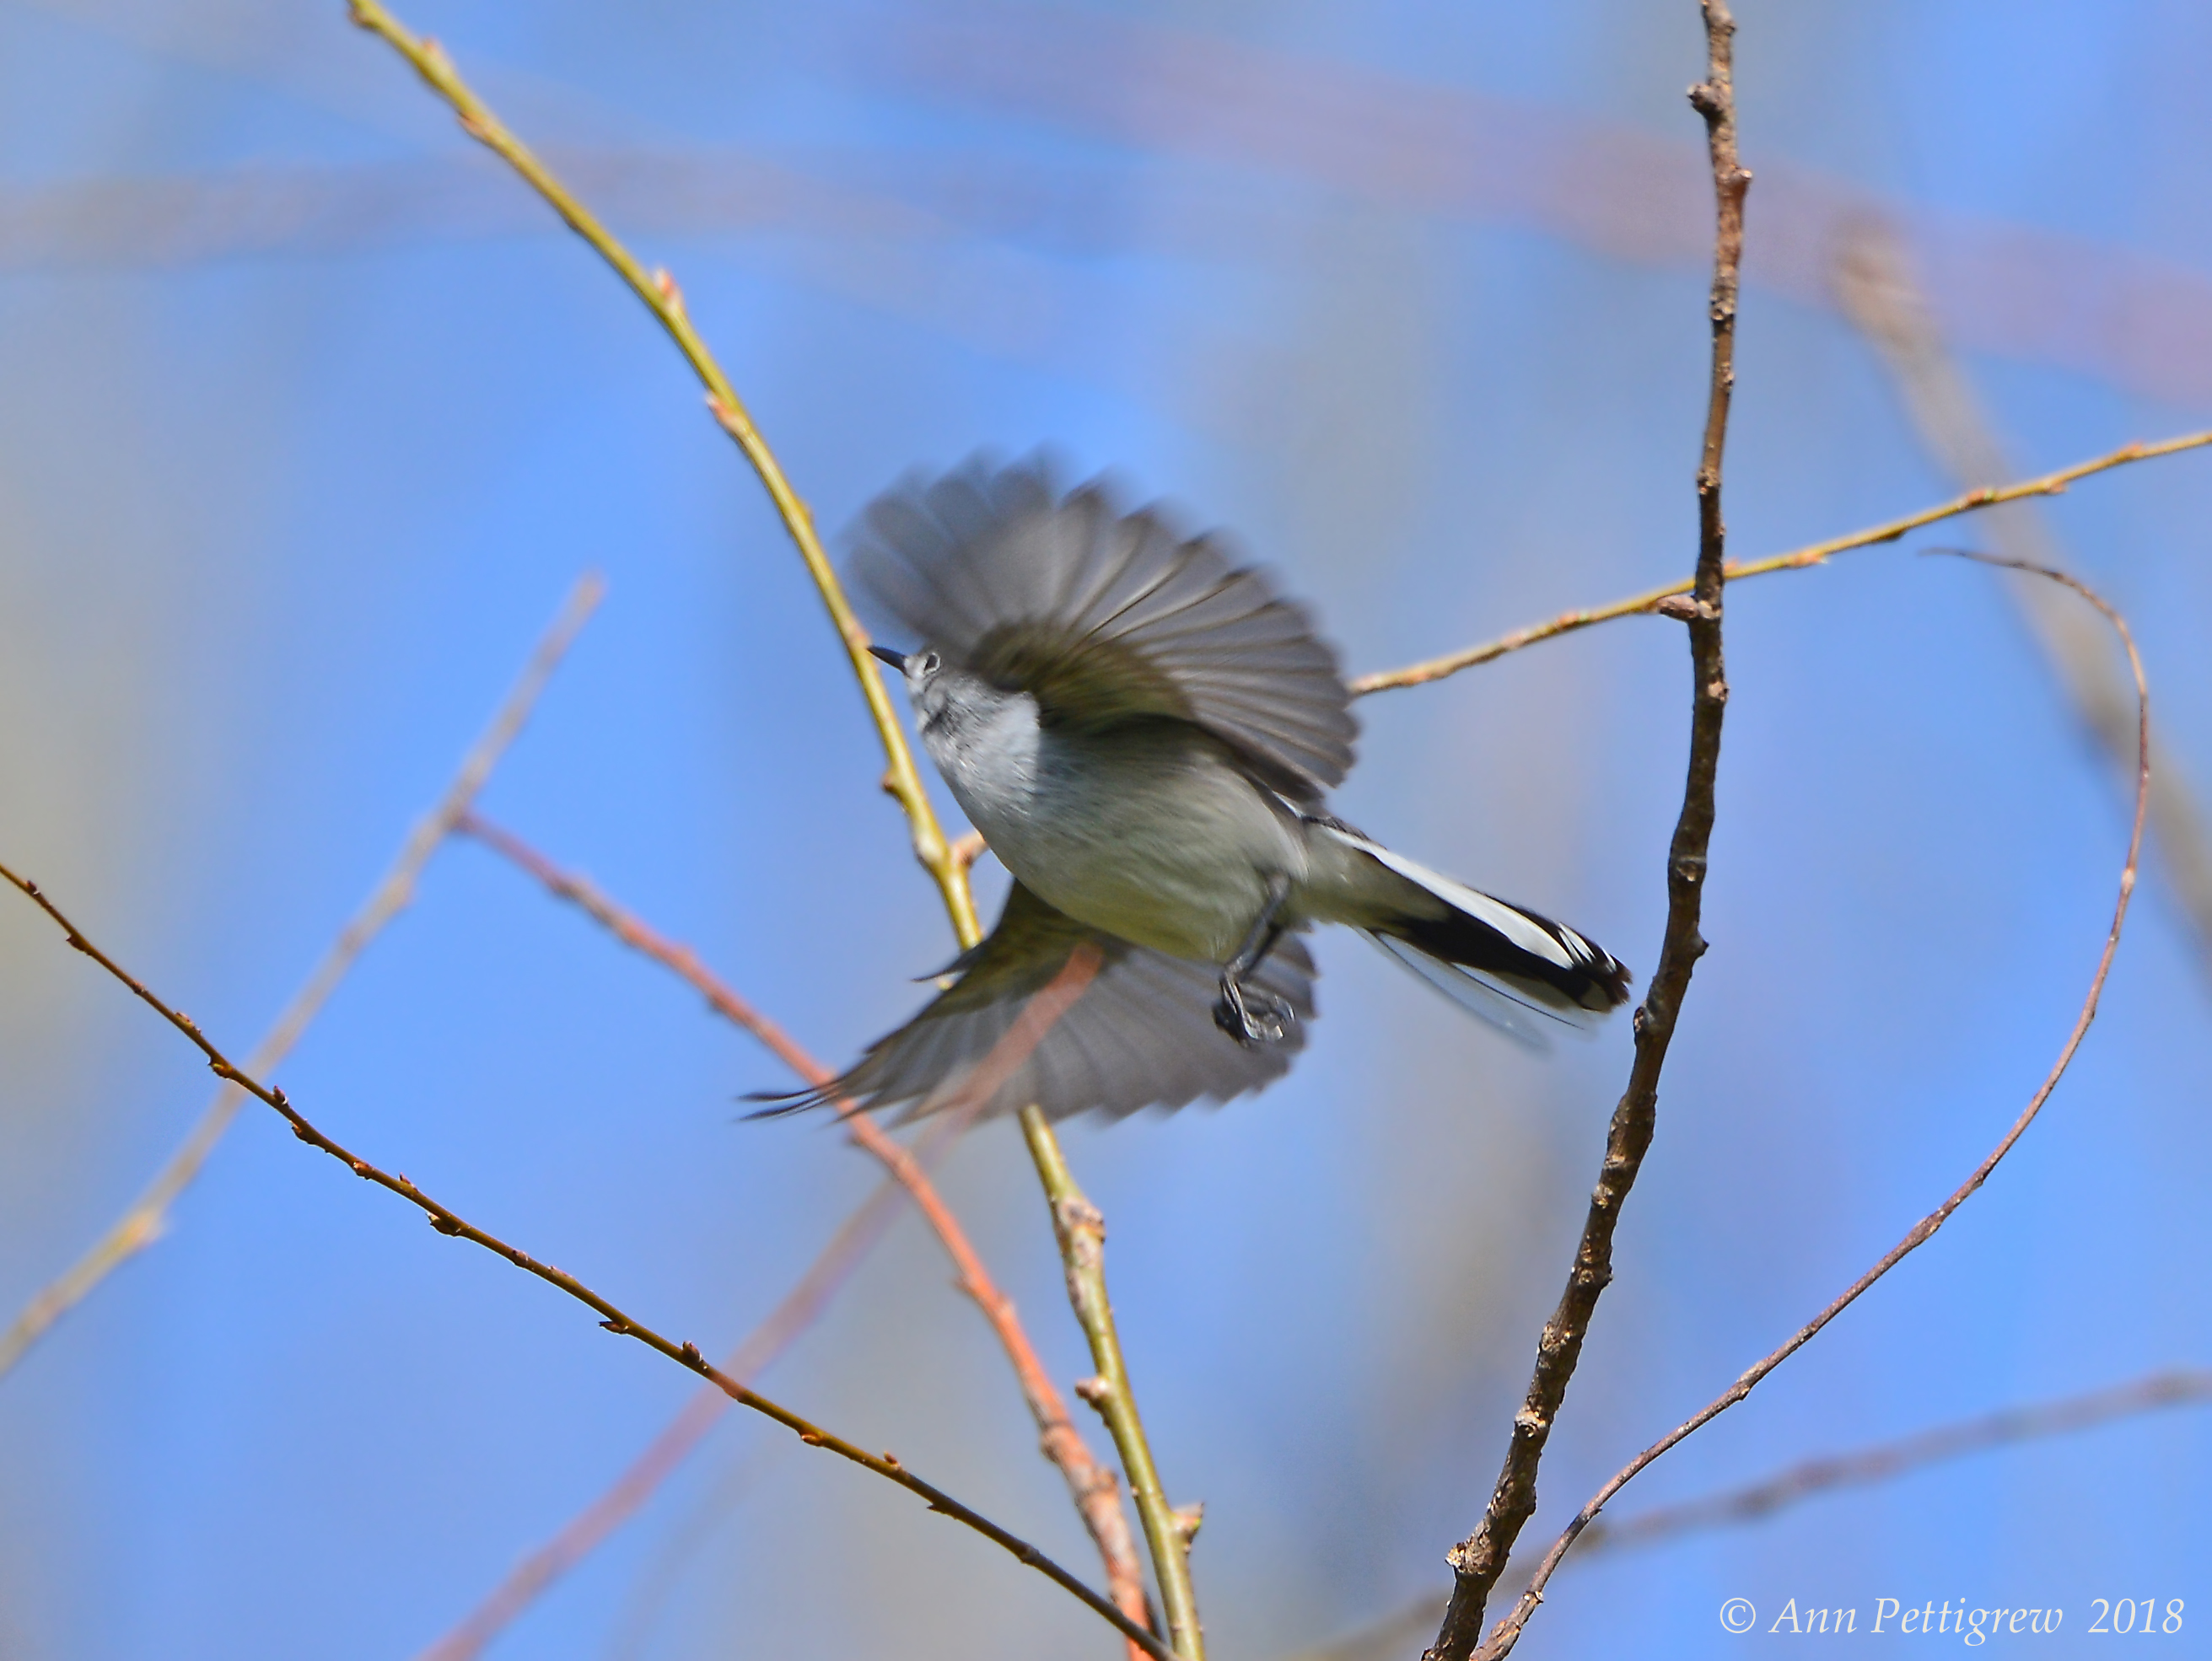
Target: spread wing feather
<point>1104,615</point>
<point>1142,1033</point>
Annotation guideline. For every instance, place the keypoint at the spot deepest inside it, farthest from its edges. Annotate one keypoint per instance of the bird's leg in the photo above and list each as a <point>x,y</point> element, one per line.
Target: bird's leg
<point>1255,1017</point>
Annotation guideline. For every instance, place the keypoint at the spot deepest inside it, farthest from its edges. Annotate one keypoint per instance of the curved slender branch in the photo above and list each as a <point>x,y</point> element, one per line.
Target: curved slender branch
<point>1094,1487</point>
<point>144,1222</point>
<point>1044,1008</point>
<point>1478,1561</point>
<point>658,290</point>
<point>1862,1467</point>
<point>947,867</point>
<point>1654,601</point>
<point>1508,1630</point>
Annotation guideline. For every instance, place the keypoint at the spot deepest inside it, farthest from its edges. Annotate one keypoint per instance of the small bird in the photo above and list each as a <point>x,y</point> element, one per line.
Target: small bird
<point>1144,732</point>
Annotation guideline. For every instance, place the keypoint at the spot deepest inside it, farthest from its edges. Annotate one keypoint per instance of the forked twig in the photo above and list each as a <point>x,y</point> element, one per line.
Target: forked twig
<point>1094,1487</point>
<point>1509,1629</point>
<point>1652,601</point>
<point>1478,1560</point>
<point>1043,1009</point>
<point>142,1224</point>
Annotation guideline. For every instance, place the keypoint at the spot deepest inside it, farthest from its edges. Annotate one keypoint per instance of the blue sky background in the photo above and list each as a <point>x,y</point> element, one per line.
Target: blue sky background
<point>310,418</point>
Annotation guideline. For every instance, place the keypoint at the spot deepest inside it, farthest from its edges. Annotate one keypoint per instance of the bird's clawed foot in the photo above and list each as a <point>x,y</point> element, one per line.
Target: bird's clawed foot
<point>1252,1017</point>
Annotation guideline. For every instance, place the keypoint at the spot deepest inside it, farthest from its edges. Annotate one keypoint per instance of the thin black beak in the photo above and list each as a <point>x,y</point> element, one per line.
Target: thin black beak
<point>895,660</point>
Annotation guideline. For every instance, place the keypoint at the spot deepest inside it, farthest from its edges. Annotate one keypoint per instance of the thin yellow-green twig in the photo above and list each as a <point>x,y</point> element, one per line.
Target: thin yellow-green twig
<point>944,862</point>
<point>142,1224</point>
<point>658,290</point>
<point>1654,600</point>
<point>1081,1232</point>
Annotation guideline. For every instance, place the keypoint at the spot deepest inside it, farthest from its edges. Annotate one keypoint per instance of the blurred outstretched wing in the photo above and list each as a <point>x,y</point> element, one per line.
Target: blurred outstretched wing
<point>1103,616</point>
<point>1142,1033</point>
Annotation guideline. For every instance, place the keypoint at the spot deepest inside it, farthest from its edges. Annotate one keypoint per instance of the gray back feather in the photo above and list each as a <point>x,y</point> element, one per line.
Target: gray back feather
<point>1103,614</point>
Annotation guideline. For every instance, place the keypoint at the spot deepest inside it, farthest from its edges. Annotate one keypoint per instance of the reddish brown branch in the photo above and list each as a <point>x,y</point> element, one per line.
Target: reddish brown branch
<point>1478,1561</point>
<point>1095,1490</point>
<point>1043,1009</point>
<point>1509,1628</point>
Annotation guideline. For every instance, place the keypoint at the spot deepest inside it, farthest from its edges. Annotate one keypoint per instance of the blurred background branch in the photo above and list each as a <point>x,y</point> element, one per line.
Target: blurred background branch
<point>143,1223</point>
<point>1183,94</point>
<point>2178,1386</point>
<point>1880,294</point>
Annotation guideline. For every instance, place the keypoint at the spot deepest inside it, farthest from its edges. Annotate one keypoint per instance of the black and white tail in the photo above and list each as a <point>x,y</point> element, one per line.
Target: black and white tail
<point>1515,969</point>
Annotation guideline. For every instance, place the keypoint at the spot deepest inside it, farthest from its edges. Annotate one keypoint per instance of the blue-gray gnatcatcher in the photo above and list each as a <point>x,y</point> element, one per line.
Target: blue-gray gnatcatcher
<point>1143,732</point>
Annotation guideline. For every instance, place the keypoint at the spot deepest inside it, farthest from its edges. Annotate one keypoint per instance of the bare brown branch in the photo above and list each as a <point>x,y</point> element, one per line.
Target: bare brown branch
<point>1922,1232</point>
<point>1044,1008</point>
<point>1093,1486</point>
<point>143,1223</point>
<point>1478,1561</point>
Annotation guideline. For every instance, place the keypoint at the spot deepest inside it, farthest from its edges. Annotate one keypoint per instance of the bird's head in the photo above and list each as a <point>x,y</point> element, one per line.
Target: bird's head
<point>948,700</point>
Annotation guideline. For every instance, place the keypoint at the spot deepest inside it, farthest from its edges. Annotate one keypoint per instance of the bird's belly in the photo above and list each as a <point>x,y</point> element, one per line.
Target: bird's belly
<point>1136,853</point>
<point>1150,897</point>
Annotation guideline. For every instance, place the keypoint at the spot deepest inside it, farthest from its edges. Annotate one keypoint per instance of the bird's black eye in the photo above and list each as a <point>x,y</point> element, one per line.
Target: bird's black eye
<point>929,663</point>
